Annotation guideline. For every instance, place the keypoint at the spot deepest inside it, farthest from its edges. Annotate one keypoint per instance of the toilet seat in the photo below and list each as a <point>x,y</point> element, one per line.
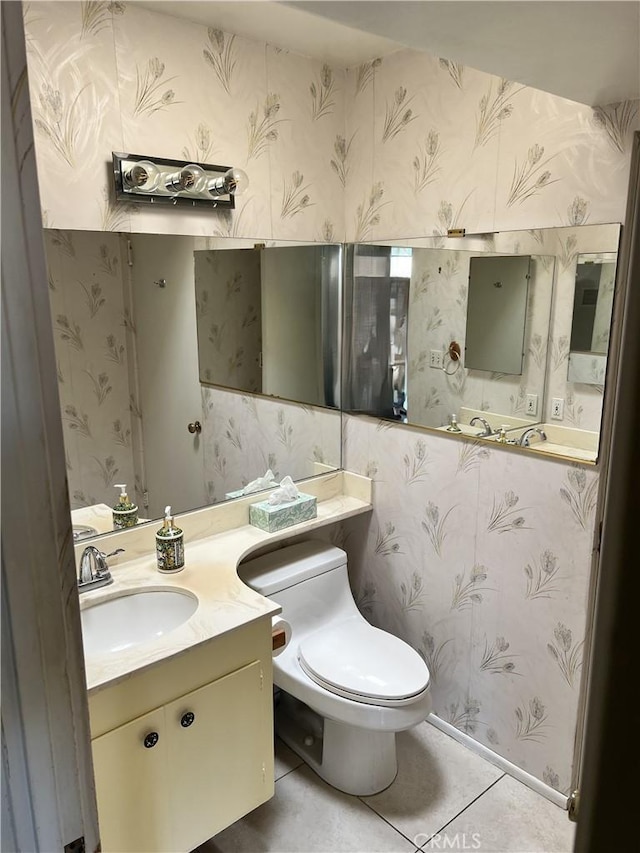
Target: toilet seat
<point>362,663</point>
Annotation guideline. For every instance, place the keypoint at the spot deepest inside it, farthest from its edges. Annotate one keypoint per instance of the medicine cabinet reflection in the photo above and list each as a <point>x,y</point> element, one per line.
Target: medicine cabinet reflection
<point>496,314</point>
<point>411,305</point>
<point>591,319</point>
<point>404,308</point>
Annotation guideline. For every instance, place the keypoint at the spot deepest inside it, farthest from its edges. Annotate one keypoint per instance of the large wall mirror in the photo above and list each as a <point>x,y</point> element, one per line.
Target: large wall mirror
<point>505,302</point>
<point>126,316</point>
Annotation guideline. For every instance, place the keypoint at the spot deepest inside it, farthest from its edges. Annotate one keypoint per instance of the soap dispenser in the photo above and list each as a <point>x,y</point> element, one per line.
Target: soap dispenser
<point>169,545</point>
<point>125,513</point>
<point>502,435</point>
<point>453,424</point>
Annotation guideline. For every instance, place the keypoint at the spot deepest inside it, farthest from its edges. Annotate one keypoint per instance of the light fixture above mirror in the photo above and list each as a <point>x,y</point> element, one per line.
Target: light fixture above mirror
<point>178,182</point>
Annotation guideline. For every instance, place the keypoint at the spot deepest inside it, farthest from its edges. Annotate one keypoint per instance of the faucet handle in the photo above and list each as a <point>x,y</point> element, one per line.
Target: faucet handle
<point>102,569</point>
<point>112,553</point>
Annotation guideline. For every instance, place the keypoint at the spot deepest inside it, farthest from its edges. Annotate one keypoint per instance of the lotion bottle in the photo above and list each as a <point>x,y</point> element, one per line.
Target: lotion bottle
<point>125,513</point>
<point>169,545</point>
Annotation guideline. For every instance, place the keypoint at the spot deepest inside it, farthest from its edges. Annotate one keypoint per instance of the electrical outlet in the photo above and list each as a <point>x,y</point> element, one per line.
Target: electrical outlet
<point>557,408</point>
<point>531,406</point>
<point>436,358</point>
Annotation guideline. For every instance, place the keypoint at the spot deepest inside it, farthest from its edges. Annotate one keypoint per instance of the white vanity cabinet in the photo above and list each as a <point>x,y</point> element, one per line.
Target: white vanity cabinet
<point>175,776</point>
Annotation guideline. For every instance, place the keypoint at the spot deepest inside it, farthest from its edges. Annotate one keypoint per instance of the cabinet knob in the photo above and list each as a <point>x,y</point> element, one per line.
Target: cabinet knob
<point>195,427</point>
<point>187,719</point>
<point>151,739</point>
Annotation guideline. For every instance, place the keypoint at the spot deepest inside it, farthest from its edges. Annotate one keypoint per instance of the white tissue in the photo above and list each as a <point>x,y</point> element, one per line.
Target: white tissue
<point>260,483</point>
<point>278,624</point>
<point>287,491</point>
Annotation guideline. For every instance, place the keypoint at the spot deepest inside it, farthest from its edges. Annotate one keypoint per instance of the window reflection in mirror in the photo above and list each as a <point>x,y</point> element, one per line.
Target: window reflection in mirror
<point>123,311</point>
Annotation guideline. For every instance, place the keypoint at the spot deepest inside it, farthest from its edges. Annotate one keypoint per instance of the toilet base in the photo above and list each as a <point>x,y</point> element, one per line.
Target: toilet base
<point>352,759</point>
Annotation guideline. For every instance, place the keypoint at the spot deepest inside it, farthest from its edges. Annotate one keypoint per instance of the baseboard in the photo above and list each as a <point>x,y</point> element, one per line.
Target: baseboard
<point>518,773</point>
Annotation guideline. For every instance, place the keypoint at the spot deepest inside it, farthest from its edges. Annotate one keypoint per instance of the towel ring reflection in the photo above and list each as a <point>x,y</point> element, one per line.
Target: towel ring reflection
<point>453,352</point>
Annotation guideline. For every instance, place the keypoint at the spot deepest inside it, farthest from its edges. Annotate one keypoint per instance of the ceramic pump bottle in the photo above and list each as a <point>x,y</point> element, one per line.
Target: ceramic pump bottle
<point>169,545</point>
<point>125,513</point>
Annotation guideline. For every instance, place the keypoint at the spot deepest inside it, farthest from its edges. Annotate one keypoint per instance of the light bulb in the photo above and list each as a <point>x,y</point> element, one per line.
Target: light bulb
<point>237,180</point>
<point>233,182</point>
<point>142,176</point>
<point>188,179</point>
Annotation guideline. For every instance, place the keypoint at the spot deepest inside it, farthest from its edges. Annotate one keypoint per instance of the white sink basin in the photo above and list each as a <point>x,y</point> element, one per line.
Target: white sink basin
<point>133,618</point>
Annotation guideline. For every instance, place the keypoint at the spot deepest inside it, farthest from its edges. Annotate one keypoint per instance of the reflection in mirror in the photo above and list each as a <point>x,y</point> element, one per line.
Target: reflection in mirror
<point>404,307</point>
<point>592,306</point>
<point>124,319</point>
<point>268,321</point>
<point>413,380</point>
<point>496,314</point>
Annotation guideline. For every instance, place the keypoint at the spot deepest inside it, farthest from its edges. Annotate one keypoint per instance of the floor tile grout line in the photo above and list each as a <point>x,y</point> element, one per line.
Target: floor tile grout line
<point>455,817</point>
<point>364,803</point>
<point>291,770</point>
<point>388,822</point>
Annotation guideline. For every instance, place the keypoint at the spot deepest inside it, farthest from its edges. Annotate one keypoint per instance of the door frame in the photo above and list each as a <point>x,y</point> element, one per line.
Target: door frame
<point>48,798</point>
<point>605,735</point>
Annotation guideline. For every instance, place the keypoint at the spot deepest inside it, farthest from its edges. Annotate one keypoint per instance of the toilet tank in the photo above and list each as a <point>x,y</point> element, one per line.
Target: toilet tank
<point>287,567</point>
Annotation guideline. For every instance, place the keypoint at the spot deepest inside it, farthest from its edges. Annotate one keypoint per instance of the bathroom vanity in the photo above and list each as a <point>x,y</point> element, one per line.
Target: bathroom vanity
<point>181,723</point>
<point>171,777</point>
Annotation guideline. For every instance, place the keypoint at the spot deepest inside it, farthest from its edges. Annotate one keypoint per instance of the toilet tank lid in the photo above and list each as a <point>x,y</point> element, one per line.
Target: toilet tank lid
<point>288,566</point>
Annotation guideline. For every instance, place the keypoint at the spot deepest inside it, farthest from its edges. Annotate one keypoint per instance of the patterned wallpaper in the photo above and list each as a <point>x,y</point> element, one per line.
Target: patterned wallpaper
<point>477,556</point>
<point>87,293</point>
<point>144,82</point>
<point>480,560</point>
<point>228,312</point>
<point>434,145</point>
<point>245,435</point>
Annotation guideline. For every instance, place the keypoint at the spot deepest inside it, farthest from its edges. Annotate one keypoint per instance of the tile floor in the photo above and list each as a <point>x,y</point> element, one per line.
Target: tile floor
<point>444,798</point>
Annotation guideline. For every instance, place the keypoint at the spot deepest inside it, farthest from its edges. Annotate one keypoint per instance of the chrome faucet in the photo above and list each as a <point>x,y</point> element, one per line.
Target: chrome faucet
<point>94,572</point>
<point>486,426</point>
<point>525,438</point>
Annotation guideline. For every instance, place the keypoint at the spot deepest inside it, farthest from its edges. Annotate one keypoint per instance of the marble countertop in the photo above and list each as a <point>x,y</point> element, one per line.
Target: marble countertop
<point>225,603</point>
<point>98,516</point>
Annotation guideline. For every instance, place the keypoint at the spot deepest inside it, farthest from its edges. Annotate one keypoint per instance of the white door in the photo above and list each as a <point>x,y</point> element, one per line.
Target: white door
<point>167,352</point>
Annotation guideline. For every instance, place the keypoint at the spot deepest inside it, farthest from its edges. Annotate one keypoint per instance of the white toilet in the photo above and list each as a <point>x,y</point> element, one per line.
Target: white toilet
<point>346,687</point>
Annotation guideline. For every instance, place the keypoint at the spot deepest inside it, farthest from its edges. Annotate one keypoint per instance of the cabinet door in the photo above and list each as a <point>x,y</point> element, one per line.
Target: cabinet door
<point>131,786</point>
<point>222,762</point>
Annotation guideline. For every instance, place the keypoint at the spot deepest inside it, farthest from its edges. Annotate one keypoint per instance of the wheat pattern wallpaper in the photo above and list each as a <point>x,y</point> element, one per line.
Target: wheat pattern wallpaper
<point>87,295</point>
<point>245,435</point>
<point>480,560</point>
<point>140,81</point>
<point>435,145</point>
<point>478,557</point>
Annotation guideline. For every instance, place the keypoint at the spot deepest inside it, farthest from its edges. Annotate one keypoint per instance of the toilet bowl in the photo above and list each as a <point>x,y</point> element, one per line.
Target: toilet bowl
<point>345,687</point>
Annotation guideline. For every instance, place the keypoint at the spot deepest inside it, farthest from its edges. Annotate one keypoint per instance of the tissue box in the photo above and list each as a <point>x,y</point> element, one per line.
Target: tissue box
<point>239,493</point>
<point>273,518</point>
